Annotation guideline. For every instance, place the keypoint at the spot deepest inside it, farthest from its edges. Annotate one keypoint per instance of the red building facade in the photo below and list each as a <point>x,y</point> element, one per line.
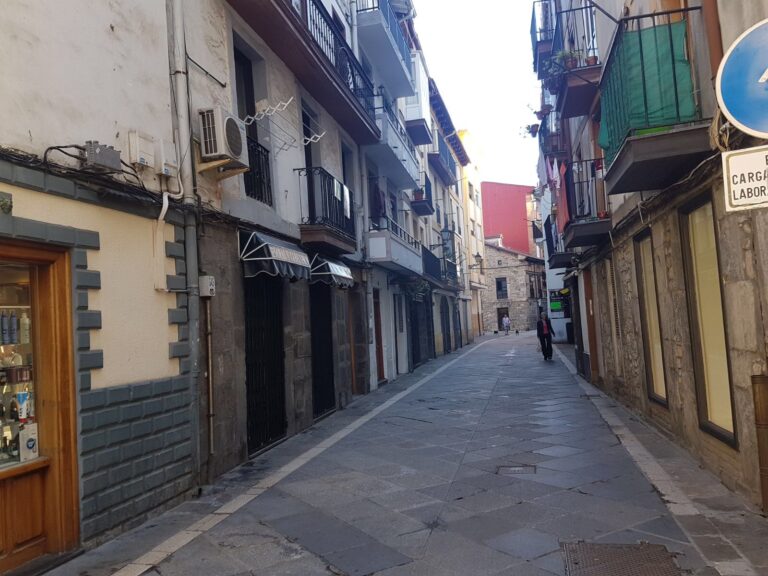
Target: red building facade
<point>506,213</point>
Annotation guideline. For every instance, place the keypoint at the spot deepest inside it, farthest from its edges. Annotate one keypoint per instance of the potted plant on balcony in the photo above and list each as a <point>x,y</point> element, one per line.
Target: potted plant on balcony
<point>532,129</point>
<point>569,59</point>
<point>418,194</point>
<point>591,59</point>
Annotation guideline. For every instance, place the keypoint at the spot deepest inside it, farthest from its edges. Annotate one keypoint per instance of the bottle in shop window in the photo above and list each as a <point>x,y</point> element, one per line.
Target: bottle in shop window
<point>4,326</point>
<point>24,325</point>
<point>13,328</point>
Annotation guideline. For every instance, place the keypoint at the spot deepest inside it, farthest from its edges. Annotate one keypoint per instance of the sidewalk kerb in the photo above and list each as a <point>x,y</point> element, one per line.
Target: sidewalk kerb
<point>676,501</point>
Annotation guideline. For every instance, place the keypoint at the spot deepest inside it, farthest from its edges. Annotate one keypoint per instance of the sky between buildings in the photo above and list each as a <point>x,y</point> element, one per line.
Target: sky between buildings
<point>479,53</point>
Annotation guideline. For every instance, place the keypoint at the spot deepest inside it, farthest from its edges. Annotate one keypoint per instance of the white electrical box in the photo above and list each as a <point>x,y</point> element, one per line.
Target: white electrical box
<point>207,286</point>
<point>141,149</point>
<point>165,158</point>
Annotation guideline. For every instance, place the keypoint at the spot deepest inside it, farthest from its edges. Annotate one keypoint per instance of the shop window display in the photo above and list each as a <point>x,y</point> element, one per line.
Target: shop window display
<point>18,425</point>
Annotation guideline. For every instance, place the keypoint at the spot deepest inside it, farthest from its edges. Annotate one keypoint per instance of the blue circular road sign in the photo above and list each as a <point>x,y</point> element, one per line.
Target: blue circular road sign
<point>742,82</point>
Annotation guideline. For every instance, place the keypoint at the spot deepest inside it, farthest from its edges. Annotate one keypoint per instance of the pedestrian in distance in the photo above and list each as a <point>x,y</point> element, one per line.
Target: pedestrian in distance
<point>505,323</point>
<point>545,332</point>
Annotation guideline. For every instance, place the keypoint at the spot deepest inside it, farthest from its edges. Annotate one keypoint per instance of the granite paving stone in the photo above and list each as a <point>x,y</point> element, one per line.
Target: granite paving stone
<point>484,469</point>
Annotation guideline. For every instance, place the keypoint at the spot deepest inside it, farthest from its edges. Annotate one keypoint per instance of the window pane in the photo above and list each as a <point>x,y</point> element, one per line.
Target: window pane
<point>709,313</point>
<point>18,424</point>
<point>653,330</point>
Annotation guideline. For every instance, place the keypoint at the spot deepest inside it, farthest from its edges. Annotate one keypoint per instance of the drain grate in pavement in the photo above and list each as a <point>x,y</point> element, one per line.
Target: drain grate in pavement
<point>511,470</point>
<point>585,559</point>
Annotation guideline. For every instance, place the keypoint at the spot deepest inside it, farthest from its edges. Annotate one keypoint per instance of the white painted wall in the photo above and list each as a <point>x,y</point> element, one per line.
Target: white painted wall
<point>736,16</point>
<point>81,70</point>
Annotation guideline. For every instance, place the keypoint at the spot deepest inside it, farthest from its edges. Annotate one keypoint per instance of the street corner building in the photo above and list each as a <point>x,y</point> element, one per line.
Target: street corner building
<point>660,287</point>
<point>220,221</point>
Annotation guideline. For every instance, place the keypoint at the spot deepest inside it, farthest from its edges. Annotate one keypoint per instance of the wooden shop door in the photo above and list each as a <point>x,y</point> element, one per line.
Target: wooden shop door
<point>39,512</point>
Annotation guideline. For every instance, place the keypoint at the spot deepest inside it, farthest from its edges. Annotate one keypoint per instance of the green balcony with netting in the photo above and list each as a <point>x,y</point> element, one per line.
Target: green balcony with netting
<point>656,101</point>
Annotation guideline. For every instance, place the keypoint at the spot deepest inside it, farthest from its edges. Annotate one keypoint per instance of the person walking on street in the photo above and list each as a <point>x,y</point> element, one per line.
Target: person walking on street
<point>544,332</point>
<point>505,322</point>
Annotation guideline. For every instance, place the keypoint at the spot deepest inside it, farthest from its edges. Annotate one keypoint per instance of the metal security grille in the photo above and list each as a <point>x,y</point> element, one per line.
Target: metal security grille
<point>265,383</point>
<point>586,559</point>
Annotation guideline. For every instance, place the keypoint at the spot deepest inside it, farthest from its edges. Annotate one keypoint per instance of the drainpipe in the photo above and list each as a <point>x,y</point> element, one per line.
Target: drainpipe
<point>353,9</point>
<point>178,53</point>
<point>714,34</point>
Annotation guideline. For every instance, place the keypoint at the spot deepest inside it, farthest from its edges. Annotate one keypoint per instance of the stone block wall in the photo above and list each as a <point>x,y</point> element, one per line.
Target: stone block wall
<point>218,250</point>
<point>136,451</point>
<point>523,310</point>
<point>297,342</point>
<point>744,276</point>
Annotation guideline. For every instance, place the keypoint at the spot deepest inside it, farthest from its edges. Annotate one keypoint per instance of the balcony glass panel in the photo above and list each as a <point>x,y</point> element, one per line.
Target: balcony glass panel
<point>648,85</point>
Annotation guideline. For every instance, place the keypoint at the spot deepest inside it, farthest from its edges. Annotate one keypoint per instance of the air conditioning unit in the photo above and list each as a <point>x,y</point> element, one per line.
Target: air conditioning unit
<point>222,136</point>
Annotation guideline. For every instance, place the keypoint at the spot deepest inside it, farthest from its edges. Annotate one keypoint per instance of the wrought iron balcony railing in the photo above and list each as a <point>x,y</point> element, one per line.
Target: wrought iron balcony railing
<point>649,85</point>
<point>333,44</point>
<point>392,23</point>
<point>386,223</point>
<point>584,186</point>
<point>431,264</point>
<point>258,180</point>
<point>542,29</point>
<point>329,202</point>
<point>399,128</point>
<point>574,44</point>
<point>552,140</point>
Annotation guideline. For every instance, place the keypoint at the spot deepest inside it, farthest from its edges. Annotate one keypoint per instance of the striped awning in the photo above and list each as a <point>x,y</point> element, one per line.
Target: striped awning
<point>331,272</point>
<point>264,254</point>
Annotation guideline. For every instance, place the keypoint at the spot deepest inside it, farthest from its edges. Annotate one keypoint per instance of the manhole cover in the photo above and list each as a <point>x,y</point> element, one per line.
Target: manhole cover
<point>511,470</point>
<point>585,559</point>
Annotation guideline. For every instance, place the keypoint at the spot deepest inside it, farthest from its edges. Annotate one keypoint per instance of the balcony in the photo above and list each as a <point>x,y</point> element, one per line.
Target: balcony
<point>552,140</point>
<point>451,274</point>
<point>385,45</point>
<point>442,162</point>
<point>390,246</point>
<point>433,269</point>
<point>258,179</point>
<point>417,110</point>
<point>394,154</point>
<point>561,260</point>
<point>652,129</point>
<point>589,224</point>
<point>573,69</point>
<point>304,36</point>
<point>542,34</point>
<point>421,203</point>
<point>477,280</point>
<point>328,219</point>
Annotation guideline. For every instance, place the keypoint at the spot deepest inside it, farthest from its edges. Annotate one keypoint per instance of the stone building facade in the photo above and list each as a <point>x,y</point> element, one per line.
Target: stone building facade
<point>516,286</point>
<point>667,289</point>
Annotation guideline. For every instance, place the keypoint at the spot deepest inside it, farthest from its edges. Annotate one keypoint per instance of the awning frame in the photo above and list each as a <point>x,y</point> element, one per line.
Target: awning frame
<point>341,278</point>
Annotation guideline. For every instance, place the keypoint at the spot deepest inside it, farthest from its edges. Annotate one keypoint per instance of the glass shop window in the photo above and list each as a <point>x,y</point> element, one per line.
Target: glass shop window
<point>18,425</point>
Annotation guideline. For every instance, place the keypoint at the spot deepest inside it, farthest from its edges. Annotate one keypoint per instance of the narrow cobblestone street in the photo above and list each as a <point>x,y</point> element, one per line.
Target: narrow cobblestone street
<point>478,463</point>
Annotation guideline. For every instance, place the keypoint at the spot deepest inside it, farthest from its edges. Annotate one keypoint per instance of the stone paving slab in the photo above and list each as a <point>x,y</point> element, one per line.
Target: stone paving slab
<point>418,490</point>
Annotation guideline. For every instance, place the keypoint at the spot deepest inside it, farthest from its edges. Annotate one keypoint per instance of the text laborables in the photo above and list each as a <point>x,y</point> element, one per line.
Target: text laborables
<point>750,185</point>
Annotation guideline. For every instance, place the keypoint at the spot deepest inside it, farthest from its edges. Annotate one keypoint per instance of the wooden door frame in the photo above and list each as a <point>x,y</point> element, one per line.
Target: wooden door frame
<point>57,404</point>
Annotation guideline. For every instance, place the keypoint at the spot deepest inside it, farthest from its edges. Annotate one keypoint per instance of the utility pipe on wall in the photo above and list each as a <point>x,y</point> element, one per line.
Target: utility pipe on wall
<point>180,97</point>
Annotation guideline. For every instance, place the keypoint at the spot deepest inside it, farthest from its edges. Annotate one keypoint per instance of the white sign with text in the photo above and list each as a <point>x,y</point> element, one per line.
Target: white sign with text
<point>746,179</point>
